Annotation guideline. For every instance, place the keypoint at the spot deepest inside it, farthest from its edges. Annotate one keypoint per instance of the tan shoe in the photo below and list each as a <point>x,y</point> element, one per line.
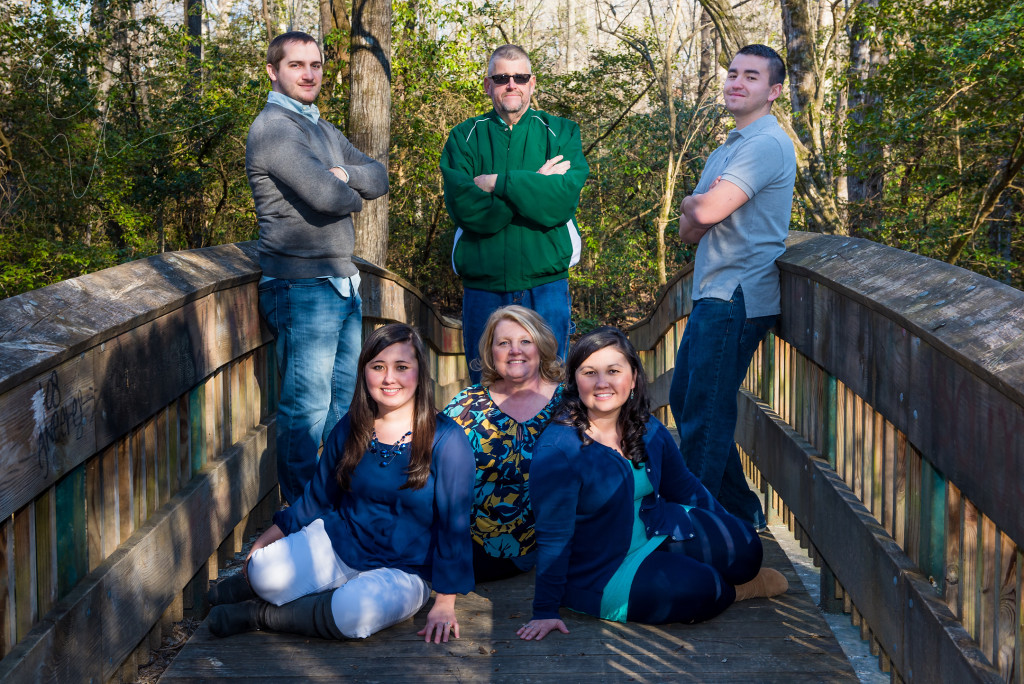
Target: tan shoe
<point>769,582</point>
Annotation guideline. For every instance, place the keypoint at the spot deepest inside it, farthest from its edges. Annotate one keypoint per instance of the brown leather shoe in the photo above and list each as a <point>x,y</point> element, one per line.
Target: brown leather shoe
<point>769,582</point>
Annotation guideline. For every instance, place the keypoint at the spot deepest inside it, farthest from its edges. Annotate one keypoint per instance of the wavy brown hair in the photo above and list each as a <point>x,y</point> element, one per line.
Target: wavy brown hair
<point>363,410</point>
<point>634,413</point>
<point>540,332</point>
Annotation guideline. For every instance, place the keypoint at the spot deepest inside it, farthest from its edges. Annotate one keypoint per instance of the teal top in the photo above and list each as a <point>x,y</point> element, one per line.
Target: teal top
<point>615,598</point>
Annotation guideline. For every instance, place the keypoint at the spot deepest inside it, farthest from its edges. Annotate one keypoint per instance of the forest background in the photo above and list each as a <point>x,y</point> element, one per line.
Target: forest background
<point>123,124</point>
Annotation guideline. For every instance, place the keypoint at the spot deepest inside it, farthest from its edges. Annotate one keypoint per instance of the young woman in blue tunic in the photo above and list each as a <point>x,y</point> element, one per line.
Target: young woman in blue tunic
<point>624,531</point>
<point>384,518</point>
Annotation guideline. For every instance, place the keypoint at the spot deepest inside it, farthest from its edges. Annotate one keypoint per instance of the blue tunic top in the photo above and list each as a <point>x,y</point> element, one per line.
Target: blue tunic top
<point>377,525</point>
<point>583,505</point>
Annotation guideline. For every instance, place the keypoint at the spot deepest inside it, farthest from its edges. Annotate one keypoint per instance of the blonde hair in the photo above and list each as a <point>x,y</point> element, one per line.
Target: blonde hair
<point>550,365</point>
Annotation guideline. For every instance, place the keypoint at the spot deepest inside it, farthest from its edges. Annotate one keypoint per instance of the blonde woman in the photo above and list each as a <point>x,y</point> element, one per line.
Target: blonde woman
<point>519,392</point>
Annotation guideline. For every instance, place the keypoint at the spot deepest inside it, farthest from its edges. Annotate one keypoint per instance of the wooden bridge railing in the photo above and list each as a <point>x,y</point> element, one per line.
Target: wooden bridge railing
<point>884,420</point>
<point>136,446</point>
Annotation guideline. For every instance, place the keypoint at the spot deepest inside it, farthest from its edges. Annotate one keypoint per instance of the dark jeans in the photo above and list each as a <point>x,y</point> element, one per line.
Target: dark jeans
<point>551,301</point>
<point>695,579</point>
<point>318,335</point>
<point>718,343</point>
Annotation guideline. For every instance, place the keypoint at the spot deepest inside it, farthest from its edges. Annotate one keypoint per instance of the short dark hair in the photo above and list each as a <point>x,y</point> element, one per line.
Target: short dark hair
<point>275,51</point>
<point>776,67</point>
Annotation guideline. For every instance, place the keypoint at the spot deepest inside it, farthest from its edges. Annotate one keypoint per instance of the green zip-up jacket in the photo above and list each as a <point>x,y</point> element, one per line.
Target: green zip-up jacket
<point>523,234</point>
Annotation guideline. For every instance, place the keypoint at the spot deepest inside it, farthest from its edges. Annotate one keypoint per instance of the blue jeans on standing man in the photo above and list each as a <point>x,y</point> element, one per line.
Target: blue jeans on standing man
<point>717,346</point>
<point>550,300</point>
<point>318,337</point>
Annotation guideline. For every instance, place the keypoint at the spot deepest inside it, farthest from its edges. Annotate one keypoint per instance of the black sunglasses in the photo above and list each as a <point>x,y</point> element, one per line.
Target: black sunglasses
<point>502,79</point>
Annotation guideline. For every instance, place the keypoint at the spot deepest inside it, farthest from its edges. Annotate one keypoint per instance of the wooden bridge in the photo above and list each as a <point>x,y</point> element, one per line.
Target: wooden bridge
<point>883,420</point>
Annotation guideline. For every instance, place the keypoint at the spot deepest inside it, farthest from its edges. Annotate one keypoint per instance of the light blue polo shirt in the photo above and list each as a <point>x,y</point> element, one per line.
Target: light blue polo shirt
<point>742,249</point>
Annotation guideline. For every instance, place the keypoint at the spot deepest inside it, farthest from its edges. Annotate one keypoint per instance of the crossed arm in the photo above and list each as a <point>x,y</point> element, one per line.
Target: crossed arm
<point>700,212</point>
<point>555,166</point>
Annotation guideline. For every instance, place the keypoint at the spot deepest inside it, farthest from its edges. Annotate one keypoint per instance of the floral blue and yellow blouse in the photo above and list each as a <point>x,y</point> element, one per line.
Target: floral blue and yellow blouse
<point>502,521</point>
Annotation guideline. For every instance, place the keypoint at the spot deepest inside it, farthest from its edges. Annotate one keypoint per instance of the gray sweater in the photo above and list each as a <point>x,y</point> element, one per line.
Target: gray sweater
<point>304,210</point>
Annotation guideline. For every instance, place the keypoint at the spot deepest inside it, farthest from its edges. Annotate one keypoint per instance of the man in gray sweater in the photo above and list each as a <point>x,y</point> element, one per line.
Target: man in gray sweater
<point>306,180</point>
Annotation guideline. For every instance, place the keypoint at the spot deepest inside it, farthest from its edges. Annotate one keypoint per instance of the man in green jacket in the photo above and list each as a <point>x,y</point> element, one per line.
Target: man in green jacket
<point>512,182</point>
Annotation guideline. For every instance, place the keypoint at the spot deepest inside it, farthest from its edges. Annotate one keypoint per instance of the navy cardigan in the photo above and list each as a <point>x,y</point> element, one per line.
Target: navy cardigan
<point>377,525</point>
<point>583,504</point>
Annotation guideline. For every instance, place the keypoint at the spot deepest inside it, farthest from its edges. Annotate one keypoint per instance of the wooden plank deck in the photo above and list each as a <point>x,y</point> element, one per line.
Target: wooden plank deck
<point>782,640</point>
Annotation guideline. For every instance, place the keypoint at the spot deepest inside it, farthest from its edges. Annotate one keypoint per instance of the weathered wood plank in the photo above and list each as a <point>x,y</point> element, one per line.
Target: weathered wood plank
<point>25,597</point>
<point>989,589</point>
<point>125,495</point>
<point>8,628</point>
<point>167,473</point>
<point>971,578</point>
<point>197,430</point>
<point>46,550</point>
<point>51,325</point>
<point>148,437</point>
<point>1006,616</point>
<point>954,546</point>
<point>761,640</point>
<point>138,479</point>
<point>111,508</point>
<point>72,544</point>
<point>181,434</point>
<point>94,510</point>
<point>889,447</point>
<point>48,428</point>
<point>101,621</point>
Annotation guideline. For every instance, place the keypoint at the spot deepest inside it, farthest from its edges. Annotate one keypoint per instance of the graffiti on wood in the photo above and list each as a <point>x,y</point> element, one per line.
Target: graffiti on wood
<point>60,415</point>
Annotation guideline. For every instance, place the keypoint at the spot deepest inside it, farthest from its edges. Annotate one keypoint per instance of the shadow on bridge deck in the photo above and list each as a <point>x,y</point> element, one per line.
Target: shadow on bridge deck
<point>777,640</point>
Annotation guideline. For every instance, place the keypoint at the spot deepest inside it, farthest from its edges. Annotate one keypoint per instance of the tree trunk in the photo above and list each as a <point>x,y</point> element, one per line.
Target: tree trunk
<point>192,200</point>
<point>800,20</point>
<point>335,26</point>
<point>864,184</point>
<point>706,72</point>
<point>369,119</point>
<point>268,21</point>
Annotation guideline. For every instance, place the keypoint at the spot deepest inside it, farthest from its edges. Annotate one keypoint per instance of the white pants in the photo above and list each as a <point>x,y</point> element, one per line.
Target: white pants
<point>363,602</point>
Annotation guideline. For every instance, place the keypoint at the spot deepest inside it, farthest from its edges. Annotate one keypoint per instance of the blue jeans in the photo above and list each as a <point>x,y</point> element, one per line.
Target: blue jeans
<point>319,334</point>
<point>718,343</point>
<point>551,301</point>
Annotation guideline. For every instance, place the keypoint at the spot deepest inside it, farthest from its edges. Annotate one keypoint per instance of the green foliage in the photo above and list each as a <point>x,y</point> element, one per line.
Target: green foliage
<point>113,148</point>
<point>950,118</point>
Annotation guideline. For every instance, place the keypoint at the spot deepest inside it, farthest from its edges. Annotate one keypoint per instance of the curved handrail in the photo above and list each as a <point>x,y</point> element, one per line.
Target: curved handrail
<point>887,411</point>
<point>136,440</point>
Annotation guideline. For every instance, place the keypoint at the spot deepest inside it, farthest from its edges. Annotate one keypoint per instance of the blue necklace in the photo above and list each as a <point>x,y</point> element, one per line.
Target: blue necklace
<point>387,454</point>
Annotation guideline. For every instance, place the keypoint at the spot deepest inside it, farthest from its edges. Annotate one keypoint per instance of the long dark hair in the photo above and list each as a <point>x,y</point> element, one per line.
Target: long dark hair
<point>363,410</point>
<point>634,413</point>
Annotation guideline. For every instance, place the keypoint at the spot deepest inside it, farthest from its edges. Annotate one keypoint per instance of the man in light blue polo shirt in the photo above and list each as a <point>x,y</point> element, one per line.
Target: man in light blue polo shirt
<point>739,218</point>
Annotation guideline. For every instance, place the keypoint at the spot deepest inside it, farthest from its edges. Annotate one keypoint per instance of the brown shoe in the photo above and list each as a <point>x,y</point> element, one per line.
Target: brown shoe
<point>769,582</point>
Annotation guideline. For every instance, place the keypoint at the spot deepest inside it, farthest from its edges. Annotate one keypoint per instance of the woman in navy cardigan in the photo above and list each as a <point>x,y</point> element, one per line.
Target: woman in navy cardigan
<point>385,514</point>
<point>624,530</point>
